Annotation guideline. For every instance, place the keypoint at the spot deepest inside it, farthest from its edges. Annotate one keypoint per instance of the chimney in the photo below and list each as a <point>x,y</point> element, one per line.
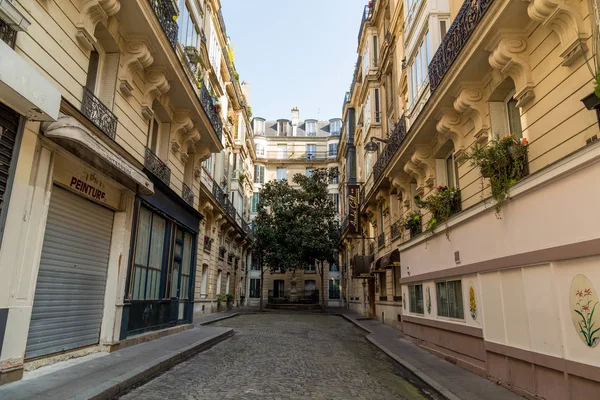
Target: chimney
<point>295,116</point>
<point>246,91</point>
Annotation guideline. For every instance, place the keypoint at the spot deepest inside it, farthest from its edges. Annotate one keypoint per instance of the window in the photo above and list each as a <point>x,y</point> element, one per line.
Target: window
<point>514,118</point>
<point>209,165</point>
<point>102,75</point>
<point>368,165</point>
<point>397,273</point>
<point>255,200</point>
<point>333,149</point>
<point>335,200</point>
<point>415,293</point>
<point>278,288</point>
<point>259,127</point>
<point>334,267</point>
<point>377,107</point>
<point>452,171</point>
<point>367,111</point>
<point>255,266</point>
<point>413,194</point>
<point>449,299</point>
<point>282,128</point>
<point>180,270</point>
<point>227,283</point>
<point>381,219</point>
<point>335,178</point>
<point>311,151</point>
<point>281,151</point>
<point>215,50</point>
<point>188,32</point>
<point>365,60</point>
<point>260,149</point>
<point>383,284</point>
<point>148,260</point>
<point>311,128</point>
<point>334,288</point>
<point>203,288</point>
<point>259,174</point>
<point>309,172</point>
<point>254,288</point>
<point>219,279</point>
<point>505,117</point>
<point>281,174</point>
<point>335,128</point>
<point>419,68</point>
<point>443,28</point>
<point>375,51</point>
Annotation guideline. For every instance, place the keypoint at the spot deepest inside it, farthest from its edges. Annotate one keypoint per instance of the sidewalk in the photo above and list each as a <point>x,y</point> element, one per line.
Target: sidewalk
<point>452,382</point>
<point>105,375</point>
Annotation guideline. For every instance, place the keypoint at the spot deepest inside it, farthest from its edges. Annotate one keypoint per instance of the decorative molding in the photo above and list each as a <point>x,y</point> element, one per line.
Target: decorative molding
<point>94,12</point>
<point>449,128</point>
<point>423,158</point>
<point>415,172</point>
<point>471,104</point>
<point>137,57</point>
<point>508,55</point>
<point>157,85</point>
<point>566,21</point>
<point>182,127</point>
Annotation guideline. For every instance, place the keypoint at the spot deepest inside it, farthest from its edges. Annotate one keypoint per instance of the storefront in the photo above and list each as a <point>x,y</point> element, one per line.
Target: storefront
<point>160,281</point>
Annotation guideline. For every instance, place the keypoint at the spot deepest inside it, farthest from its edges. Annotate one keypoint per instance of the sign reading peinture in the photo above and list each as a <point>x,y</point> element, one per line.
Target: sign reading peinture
<point>353,209</point>
<point>86,182</point>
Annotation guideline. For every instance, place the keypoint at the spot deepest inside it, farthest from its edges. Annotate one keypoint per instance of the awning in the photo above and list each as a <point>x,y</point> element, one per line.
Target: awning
<point>75,137</point>
<point>388,260</point>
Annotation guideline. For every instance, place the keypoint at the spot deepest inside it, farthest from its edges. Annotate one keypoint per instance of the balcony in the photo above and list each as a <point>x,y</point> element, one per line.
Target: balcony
<point>7,34</point>
<point>207,103</point>
<point>187,194</point>
<point>368,11</point>
<point>394,142</point>
<point>167,17</point>
<point>208,243</point>
<point>297,155</point>
<point>223,199</point>
<point>396,229</point>
<point>98,113</point>
<point>381,240</point>
<point>460,31</point>
<point>157,167</point>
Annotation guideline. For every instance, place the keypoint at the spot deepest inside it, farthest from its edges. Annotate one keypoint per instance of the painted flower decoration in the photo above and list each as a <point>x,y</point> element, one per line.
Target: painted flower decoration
<point>472,303</point>
<point>585,309</point>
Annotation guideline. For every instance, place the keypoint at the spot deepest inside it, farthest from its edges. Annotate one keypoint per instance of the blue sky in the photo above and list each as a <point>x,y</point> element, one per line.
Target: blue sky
<point>294,53</point>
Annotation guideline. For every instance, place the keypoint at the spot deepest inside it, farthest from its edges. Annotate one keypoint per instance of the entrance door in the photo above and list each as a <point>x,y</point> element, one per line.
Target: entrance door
<point>278,288</point>
<point>69,294</point>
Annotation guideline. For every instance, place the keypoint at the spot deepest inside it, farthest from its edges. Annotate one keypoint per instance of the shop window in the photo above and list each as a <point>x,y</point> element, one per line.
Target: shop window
<point>148,260</point>
<point>254,288</point>
<point>449,299</point>
<point>415,293</point>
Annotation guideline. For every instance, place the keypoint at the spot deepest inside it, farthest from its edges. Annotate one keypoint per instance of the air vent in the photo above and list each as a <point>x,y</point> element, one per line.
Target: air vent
<point>591,139</point>
<point>457,257</point>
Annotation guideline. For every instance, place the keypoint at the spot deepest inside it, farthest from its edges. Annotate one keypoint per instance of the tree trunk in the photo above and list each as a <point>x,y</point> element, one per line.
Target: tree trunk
<point>323,304</point>
<point>262,274</point>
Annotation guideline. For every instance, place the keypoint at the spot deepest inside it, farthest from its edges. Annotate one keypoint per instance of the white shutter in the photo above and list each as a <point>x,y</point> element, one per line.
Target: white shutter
<point>441,175</point>
<point>498,119</point>
<point>108,81</point>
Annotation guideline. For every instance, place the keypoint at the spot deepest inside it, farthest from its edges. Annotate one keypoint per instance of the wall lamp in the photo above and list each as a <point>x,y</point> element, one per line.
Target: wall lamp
<point>372,146</point>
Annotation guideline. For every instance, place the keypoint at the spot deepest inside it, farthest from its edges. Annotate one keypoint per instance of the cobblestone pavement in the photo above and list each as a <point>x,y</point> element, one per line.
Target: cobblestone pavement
<point>286,356</point>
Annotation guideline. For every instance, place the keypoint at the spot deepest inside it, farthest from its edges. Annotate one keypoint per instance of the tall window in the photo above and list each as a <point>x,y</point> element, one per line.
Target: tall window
<point>219,281</point>
<point>333,149</point>
<point>451,170</point>
<point>367,111</point>
<point>259,127</point>
<point>311,128</point>
<point>365,60</point>
<point>383,284</point>
<point>449,299</point>
<point>215,50</point>
<point>419,68</point>
<point>282,128</point>
<point>397,286</point>
<point>255,200</point>
<point>377,106</point>
<point>260,149</point>
<point>415,293</point>
<point>281,174</point>
<point>180,270</point>
<point>259,174</point>
<point>375,51</point>
<point>188,32</point>
<point>335,200</point>
<point>506,117</point>
<point>309,172</point>
<point>311,151</point>
<point>209,165</point>
<point>148,260</point>
<point>254,288</point>
<point>334,288</point>
<point>381,219</point>
<point>335,127</point>
<point>335,176</point>
<point>281,151</point>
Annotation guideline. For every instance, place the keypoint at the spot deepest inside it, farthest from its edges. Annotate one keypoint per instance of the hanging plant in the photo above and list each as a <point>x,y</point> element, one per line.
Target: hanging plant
<point>442,205</point>
<point>504,161</point>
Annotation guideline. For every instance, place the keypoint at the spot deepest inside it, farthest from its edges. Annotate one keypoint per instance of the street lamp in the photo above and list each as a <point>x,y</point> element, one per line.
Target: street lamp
<point>371,146</point>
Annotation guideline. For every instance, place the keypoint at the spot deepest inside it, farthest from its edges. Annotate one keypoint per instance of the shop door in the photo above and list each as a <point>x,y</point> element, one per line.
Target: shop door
<point>69,294</point>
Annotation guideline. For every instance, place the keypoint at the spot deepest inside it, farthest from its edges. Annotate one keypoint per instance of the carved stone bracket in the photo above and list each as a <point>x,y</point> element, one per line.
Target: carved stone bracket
<point>94,12</point>
<point>137,57</point>
<point>423,159</point>
<point>563,18</point>
<point>508,55</point>
<point>471,104</point>
<point>449,128</point>
<point>181,127</point>
<point>415,172</point>
<point>157,85</point>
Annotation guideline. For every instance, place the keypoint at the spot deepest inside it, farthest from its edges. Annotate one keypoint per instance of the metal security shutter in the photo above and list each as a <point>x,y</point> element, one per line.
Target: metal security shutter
<point>69,295</point>
<point>9,122</point>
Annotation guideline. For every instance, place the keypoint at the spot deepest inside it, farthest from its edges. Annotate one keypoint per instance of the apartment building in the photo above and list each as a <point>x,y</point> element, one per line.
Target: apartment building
<point>506,291</point>
<point>286,147</point>
<point>117,118</point>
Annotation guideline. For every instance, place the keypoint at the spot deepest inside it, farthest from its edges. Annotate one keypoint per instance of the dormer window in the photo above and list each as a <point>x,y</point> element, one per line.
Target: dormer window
<point>282,128</point>
<point>259,127</point>
<point>311,128</point>
<point>335,127</point>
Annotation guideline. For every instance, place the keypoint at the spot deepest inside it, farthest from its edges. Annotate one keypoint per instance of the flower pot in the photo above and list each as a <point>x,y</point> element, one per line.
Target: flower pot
<point>592,102</point>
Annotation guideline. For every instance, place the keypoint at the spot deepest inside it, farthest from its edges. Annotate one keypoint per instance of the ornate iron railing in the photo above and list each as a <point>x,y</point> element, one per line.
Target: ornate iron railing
<point>368,10</point>
<point>467,19</point>
<point>222,22</point>
<point>395,229</point>
<point>167,16</point>
<point>7,34</point>
<point>187,194</point>
<point>394,142</point>
<point>381,240</point>
<point>207,244</point>
<point>98,113</point>
<point>157,167</point>
<point>207,103</point>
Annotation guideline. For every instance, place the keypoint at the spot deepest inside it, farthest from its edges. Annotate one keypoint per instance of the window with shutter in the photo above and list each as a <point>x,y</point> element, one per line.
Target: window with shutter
<point>498,118</point>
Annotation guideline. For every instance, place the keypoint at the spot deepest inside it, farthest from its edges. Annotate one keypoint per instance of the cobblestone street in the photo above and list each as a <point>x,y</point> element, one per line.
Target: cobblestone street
<point>286,356</point>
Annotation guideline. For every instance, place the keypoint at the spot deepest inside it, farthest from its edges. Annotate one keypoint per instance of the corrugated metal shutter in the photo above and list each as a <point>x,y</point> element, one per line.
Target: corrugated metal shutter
<point>69,295</point>
<point>9,122</point>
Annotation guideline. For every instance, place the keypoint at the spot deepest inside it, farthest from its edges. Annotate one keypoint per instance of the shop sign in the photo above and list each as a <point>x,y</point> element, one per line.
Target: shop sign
<point>354,209</point>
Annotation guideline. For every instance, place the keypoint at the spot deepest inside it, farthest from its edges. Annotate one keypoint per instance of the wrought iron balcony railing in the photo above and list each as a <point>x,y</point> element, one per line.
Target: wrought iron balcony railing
<point>187,194</point>
<point>207,103</point>
<point>167,16</point>
<point>394,142</point>
<point>396,229</point>
<point>467,19</point>
<point>365,16</point>
<point>98,113</point>
<point>381,240</point>
<point>7,34</point>
<point>157,167</point>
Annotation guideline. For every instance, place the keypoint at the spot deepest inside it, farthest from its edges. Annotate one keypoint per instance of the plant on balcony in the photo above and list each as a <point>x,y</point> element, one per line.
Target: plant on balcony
<point>442,205</point>
<point>236,75</point>
<point>222,251</point>
<point>192,54</point>
<point>249,112</point>
<point>208,242</point>
<point>504,161</point>
<point>241,176</point>
<point>412,223</point>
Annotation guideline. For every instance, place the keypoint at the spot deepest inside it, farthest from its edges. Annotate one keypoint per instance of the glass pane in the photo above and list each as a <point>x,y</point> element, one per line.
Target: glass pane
<point>143,237</point>
<point>441,299</point>
<point>158,242</point>
<point>175,278</point>
<point>187,254</point>
<point>450,172</point>
<point>514,118</point>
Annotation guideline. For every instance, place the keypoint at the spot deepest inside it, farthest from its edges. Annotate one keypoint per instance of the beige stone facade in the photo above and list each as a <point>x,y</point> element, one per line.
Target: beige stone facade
<point>499,296</point>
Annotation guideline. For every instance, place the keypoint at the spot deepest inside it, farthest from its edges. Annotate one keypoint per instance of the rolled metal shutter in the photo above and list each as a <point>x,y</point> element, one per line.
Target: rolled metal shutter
<point>69,295</point>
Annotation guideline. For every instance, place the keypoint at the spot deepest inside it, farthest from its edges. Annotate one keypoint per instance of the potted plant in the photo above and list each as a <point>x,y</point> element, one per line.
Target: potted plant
<point>229,299</point>
<point>222,251</point>
<point>221,299</point>
<point>192,54</point>
<point>504,161</point>
<point>442,205</point>
<point>592,101</point>
<point>208,242</point>
<point>412,223</point>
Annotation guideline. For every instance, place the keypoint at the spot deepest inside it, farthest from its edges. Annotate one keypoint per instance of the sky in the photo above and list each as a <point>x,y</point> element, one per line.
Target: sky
<point>294,53</point>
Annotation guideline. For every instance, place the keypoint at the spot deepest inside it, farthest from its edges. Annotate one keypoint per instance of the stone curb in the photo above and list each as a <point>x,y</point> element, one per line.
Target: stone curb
<point>212,321</point>
<point>116,387</point>
<point>414,370</point>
